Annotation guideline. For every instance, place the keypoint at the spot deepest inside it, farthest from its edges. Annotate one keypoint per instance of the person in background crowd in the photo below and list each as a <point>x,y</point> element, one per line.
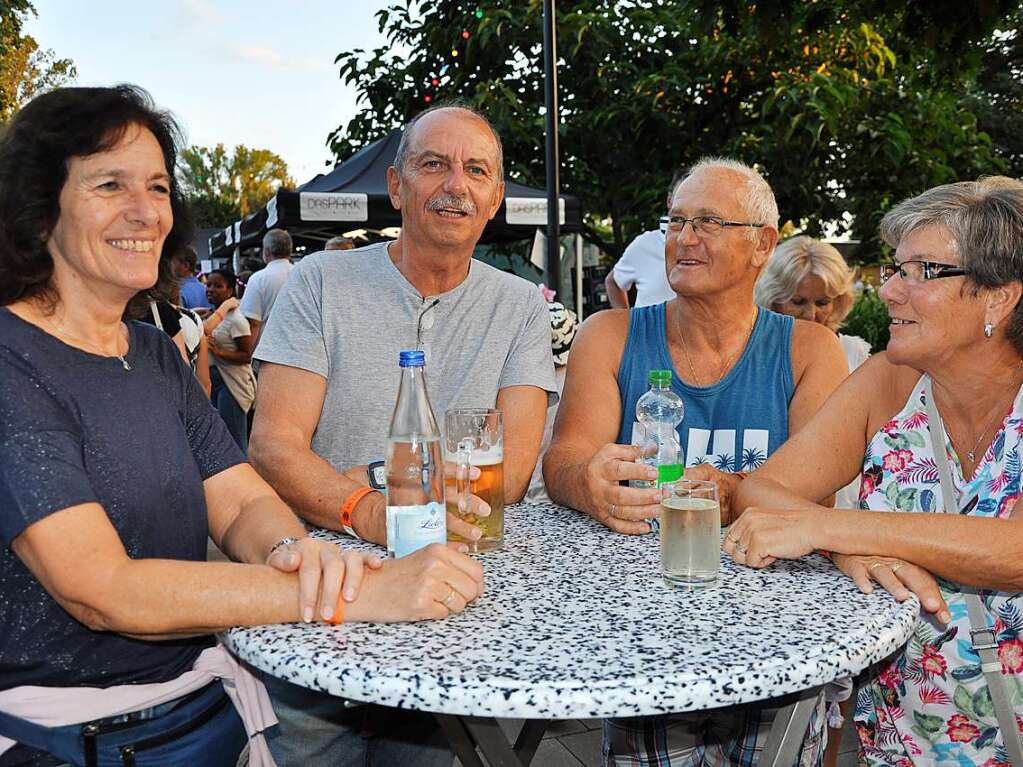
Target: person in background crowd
<point>114,469</point>
<point>935,426</point>
<point>642,264</point>
<point>563,326</point>
<point>748,377</point>
<point>262,287</point>
<point>329,379</point>
<point>339,243</point>
<point>193,292</point>
<point>230,344</point>
<point>809,280</point>
<point>184,327</point>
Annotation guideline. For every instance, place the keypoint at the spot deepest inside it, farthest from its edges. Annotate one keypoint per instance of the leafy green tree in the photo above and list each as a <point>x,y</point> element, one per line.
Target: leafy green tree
<point>848,107</point>
<point>223,187</point>
<point>26,70</point>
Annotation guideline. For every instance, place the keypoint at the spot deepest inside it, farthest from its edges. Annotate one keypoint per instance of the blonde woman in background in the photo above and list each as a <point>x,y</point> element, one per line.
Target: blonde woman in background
<point>809,280</point>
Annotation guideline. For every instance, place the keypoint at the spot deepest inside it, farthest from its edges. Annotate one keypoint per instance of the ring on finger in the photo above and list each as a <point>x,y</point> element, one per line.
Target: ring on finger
<point>733,540</point>
<point>897,566</point>
<point>874,565</point>
<point>740,548</point>
<point>447,600</point>
<point>611,509</point>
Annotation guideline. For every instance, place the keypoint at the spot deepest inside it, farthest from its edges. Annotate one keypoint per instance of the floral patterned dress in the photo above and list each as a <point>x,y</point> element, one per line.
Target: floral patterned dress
<point>930,705</point>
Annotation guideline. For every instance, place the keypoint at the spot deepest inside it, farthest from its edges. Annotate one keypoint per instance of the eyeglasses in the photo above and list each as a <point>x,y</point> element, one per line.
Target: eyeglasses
<point>916,272</point>
<point>421,325</point>
<point>708,225</point>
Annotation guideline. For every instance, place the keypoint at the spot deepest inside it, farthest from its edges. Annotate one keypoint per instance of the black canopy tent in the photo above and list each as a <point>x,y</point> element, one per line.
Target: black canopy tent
<point>354,196</point>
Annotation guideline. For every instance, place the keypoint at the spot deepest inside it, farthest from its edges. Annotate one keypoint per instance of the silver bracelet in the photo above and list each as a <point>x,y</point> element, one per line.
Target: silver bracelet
<point>286,541</point>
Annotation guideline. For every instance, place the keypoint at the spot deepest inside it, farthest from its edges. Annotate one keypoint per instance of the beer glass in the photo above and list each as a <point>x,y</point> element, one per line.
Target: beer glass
<point>475,437</point>
<point>690,533</point>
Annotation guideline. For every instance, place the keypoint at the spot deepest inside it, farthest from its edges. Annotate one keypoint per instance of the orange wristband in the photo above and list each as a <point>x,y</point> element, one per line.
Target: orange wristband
<point>348,507</point>
<point>339,612</point>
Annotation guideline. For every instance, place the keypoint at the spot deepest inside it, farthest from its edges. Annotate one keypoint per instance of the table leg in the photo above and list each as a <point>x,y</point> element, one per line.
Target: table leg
<point>788,730</point>
<point>467,733</point>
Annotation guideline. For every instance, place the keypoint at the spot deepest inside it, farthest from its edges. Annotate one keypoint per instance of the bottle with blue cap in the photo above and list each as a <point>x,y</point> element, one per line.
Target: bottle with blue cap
<point>415,469</point>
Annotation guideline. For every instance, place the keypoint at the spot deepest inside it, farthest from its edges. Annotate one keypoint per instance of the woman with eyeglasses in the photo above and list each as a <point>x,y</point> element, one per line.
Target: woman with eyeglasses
<point>935,424</point>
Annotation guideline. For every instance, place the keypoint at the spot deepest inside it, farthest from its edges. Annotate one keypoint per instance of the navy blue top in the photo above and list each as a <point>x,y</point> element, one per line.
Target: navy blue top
<point>78,428</point>
<point>734,424</point>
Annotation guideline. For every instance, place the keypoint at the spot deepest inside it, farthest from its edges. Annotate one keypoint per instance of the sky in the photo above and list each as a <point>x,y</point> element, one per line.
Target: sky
<point>258,73</point>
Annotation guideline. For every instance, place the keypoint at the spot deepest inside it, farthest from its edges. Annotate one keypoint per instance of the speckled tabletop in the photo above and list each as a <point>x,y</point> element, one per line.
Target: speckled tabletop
<point>576,622</point>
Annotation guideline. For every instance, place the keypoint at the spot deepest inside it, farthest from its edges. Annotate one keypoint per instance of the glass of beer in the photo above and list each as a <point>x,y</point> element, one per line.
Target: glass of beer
<point>475,437</point>
<point>690,533</point>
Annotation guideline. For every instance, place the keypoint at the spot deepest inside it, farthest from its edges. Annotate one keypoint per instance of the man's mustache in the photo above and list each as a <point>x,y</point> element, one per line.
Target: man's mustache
<point>450,202</point>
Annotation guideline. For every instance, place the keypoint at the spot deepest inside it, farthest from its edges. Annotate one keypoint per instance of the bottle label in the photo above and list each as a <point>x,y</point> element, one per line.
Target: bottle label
<point>410,528</point>
<point>669,472</point>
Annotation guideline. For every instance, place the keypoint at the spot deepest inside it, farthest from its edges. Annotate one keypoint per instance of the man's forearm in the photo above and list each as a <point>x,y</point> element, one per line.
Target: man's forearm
<point>564,474</point>
<point>314,490</point>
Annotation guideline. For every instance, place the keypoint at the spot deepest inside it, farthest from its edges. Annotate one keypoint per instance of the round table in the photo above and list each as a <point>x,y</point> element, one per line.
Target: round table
<point>576,622</point>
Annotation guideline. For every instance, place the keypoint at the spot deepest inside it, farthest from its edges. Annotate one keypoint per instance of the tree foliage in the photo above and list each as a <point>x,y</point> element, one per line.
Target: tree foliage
<point>26,70</point>
<point>223,187</point>
<point>847,107</point>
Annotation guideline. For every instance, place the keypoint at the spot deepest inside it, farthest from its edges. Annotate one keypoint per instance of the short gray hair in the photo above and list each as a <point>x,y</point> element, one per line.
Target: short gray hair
<point>401,156</point>
<point>985,219</point>
<point>757,199</point>
<point>792,262</point>
<point>277,243</point>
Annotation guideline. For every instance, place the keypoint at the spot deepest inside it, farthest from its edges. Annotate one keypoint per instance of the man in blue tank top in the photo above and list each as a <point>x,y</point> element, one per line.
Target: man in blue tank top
<point>748,378</point>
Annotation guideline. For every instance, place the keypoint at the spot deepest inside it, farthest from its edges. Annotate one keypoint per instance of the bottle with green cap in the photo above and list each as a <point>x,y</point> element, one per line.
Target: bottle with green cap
<point>660,411</point>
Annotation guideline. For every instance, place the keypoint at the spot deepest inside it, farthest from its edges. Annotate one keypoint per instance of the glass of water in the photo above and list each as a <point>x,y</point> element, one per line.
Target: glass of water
<point>690,533</point>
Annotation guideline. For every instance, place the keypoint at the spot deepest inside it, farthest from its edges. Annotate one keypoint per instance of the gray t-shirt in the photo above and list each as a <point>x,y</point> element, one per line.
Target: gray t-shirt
<point>347,317</point>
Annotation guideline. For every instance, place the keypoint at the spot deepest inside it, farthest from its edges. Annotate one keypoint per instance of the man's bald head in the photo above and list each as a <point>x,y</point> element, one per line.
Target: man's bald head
<point>471,113</point>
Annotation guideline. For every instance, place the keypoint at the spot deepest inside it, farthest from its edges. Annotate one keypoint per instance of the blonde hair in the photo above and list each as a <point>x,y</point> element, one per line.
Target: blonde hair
<point>793,261</point>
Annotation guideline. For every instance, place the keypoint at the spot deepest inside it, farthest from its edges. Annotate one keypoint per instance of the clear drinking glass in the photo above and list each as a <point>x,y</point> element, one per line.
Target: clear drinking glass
<point>475,437</point>
<point>690,533</point>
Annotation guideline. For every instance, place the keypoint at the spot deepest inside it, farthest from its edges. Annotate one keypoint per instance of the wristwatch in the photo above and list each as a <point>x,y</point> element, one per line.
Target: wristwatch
<point>377,472</point>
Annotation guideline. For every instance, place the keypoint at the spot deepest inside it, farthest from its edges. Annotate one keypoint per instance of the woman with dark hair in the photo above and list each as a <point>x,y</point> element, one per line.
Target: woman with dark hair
<point>230,344</point>
<point>935,426</point>
<point>114,469</point>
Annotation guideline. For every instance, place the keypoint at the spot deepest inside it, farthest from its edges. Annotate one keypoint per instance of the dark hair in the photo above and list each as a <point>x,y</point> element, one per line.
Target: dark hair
<point>35,150</point>
<point>229,278</point>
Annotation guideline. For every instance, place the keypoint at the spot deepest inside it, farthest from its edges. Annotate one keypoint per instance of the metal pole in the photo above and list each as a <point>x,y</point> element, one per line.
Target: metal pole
<point>552,274</point>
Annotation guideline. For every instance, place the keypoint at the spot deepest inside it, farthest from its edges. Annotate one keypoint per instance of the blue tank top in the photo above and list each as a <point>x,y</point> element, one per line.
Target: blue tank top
<point>733,425</point>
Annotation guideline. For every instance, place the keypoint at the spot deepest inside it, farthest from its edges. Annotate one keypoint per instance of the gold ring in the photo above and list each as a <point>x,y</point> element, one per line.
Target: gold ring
<point>733,540</point>
<point>447,600</point>
<point>897,566</point>
<point>873,565</point>
<point>611,509</point>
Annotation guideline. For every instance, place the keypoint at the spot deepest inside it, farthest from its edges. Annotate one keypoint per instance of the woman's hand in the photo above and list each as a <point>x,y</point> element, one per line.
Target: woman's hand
<point>434,582</point>
<point>621,508</point>
<point>897,577</point>
<point>727,484</point>
<point>322,570</point>
<point>760,536</point>
<point>228,305</point>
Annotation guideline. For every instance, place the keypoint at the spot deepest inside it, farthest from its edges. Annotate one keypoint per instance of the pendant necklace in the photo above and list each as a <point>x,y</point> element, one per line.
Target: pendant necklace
<point>92,350</point>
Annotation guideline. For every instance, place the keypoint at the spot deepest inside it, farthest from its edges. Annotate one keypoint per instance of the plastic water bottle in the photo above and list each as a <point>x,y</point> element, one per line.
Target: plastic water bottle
<point>415,468</point>
<point>660,412</point>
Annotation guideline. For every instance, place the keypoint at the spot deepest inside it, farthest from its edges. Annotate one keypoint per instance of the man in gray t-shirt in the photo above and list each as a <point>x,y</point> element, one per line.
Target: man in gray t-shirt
<point>329,379</point>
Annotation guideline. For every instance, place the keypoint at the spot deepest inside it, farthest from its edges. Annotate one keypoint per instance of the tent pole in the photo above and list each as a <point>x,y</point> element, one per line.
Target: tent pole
<point>550,70</point>
<point>579,277</point>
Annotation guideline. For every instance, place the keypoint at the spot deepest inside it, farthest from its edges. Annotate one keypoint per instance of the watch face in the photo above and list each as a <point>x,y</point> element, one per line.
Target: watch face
<point>378,475</point>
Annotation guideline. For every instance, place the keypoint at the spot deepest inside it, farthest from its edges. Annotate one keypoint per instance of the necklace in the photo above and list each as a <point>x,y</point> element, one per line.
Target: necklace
<point>972,453</point>
<point>92,347</point>
<point>727,363</point>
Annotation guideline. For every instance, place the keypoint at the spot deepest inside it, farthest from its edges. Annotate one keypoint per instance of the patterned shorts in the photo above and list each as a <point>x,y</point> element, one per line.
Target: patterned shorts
<point>726,737</point>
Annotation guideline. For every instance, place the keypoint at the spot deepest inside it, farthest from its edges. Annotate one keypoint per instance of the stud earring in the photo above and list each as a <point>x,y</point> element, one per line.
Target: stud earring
<point>989,329</point>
